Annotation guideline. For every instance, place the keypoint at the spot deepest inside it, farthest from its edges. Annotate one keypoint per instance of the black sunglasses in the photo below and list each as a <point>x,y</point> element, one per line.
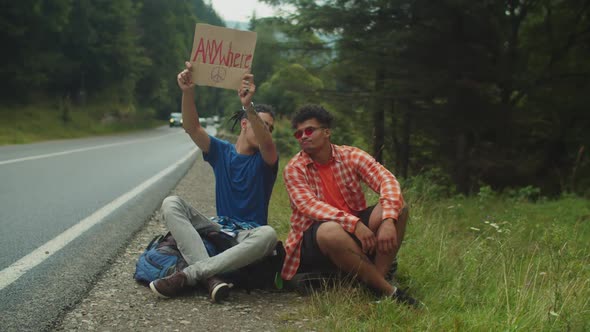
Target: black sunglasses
<point>307,131</point>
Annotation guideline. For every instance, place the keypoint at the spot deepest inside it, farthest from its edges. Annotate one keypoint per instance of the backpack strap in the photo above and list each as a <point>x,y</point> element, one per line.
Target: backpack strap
<point>156,239</point>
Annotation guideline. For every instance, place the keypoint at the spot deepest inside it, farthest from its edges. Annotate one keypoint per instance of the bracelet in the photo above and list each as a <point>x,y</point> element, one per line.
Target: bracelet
<point>393,220</point>
<point>251,105</point>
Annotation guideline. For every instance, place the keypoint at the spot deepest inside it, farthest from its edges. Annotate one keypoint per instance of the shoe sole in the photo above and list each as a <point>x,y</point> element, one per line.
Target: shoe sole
<point>153,288</point>
<point>220,292</point>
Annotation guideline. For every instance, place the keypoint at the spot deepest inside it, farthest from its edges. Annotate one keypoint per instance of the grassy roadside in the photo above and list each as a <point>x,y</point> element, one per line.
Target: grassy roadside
<point>486,263</point>
<point>45,121</point>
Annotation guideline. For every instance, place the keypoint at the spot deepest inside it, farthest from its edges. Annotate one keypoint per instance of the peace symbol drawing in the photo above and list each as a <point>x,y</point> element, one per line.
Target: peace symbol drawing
<point>218,74</point>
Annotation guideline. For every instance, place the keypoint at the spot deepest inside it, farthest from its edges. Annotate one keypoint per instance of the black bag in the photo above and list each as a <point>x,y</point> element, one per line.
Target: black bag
<point>262,274</point>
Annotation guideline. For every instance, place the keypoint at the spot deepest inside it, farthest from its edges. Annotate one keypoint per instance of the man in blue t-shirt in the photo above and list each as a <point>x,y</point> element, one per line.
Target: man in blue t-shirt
<point>244,177</point>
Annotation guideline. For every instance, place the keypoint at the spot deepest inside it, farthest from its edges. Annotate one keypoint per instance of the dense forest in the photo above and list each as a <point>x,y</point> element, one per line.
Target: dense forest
<point>126,51</point>
<point>463,93</point>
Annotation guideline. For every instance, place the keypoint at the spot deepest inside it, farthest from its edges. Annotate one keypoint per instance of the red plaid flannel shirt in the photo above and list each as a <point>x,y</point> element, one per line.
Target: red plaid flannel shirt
<point>351,166</point>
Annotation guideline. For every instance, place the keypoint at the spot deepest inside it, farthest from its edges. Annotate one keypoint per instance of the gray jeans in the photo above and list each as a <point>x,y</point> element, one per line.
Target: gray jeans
<point>184,222</point>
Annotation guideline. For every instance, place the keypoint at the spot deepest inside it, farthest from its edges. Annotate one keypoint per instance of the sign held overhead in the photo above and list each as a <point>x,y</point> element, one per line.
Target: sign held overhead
<point>221,56</point>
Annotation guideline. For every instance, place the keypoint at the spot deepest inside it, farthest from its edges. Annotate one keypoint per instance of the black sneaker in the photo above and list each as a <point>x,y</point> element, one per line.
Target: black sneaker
<point>218,289</point>
<point>170,286</point>
<point>401,296</point>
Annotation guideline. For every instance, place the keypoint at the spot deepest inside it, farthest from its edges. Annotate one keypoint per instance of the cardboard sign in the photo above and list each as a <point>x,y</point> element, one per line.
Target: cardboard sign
<point>221,56</point>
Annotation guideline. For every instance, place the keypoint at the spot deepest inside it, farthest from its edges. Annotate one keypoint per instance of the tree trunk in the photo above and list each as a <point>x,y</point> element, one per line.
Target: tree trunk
<point>397,145</point>
<point>405,142</point>
<point>378,118</point>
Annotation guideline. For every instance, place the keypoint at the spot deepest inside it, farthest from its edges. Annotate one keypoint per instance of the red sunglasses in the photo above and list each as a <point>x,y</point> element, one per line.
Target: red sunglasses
<point>307,131</point>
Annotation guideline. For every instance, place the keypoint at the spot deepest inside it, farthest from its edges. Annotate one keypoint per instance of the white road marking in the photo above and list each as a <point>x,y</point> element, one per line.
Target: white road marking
<point>36,257</point>
<point>55,154</point>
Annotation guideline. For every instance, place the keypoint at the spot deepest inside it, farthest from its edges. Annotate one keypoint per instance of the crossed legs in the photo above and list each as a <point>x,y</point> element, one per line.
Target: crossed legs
<point>347,255</point>
<point>184,222</point>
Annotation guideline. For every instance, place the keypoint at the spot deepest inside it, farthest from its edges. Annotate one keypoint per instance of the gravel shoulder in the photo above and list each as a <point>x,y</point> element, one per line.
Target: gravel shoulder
<point>118,303</point>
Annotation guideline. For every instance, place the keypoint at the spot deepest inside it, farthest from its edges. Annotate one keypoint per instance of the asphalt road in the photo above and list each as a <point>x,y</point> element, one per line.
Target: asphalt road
<point>68,207</point>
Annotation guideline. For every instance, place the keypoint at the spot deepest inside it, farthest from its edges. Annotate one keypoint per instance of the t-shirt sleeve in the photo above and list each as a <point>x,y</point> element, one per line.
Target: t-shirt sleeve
<point>274,169</point>
<point>214,147</point>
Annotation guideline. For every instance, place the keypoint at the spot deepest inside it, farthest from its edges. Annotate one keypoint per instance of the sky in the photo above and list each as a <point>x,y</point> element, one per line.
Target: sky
<point>241,10</point>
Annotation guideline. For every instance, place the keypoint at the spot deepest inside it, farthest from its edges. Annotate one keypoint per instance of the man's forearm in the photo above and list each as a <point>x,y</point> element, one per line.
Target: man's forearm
<point>260,130</point>
<point>190,117</point>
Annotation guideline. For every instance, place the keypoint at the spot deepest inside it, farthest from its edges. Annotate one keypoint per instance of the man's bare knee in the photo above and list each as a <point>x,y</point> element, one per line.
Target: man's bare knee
<point>330,235</point>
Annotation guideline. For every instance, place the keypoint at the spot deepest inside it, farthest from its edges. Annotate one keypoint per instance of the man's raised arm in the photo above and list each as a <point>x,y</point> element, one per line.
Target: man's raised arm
<point>267,147</point>
<point>190,117</point>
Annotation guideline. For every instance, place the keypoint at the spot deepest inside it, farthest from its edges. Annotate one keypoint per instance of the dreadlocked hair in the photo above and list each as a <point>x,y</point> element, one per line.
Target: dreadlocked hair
<point>241,114</point>
<point>237,117</point>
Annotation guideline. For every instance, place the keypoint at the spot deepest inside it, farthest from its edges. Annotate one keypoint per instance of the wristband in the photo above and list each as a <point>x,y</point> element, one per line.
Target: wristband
<point>251,105</point>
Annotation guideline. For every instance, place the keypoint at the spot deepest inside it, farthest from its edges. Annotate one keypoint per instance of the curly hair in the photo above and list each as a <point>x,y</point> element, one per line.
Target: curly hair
<point>241,114</point>
<point>312,111</point>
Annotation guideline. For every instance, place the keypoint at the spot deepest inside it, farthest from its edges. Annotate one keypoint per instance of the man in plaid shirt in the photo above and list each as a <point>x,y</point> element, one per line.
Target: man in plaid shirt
<point>332,229</point>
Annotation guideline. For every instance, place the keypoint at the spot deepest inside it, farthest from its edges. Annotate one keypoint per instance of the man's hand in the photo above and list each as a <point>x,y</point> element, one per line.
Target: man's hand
<point>185,78</point>
<point>387,237</point>
<point>366,236</point>
<point>247,89</point>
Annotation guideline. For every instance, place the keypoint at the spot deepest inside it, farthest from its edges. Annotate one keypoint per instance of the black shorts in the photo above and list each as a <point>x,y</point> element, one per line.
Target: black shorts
<point>312,258</point>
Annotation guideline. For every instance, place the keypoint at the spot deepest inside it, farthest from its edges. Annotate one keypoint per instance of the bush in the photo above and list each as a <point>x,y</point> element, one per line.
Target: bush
<point>283,136</point>
<point>429,185</point>
<point>485,194</point>
<point>528,193</point>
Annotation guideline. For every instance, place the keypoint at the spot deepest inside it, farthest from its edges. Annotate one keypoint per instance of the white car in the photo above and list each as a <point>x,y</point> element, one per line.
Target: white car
<point>175,119</point>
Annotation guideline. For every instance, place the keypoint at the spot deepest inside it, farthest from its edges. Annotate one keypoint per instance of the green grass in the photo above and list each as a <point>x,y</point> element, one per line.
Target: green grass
<point>486,263</point>
<point>44,121</point>
<point>279,210</point>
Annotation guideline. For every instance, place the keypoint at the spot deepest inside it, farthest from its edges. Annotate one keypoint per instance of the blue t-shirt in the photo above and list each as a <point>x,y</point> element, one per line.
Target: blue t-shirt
<point>243,183</point>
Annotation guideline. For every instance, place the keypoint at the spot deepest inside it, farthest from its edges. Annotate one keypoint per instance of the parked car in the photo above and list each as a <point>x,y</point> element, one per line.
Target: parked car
<point>175,119</point>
